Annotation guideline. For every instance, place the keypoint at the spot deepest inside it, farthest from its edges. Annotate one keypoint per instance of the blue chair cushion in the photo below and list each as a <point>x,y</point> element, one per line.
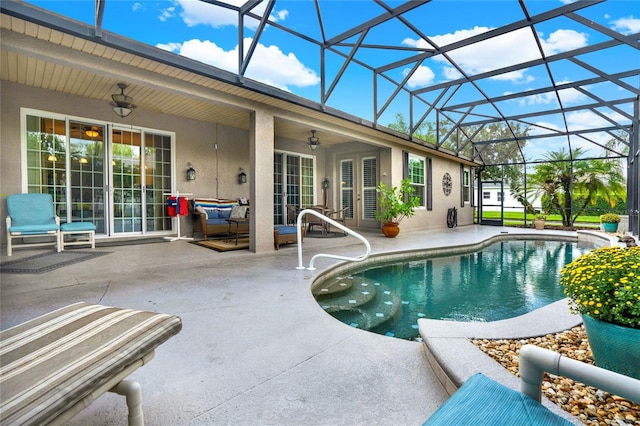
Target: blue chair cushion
<point>34,229</point>
<point>77,227</point>
<point>31,213</point>
<point>482,401</point>
<point>285,230</point>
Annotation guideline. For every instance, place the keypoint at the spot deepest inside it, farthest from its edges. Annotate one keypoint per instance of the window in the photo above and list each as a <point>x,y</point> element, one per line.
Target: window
<point>416,174</point>
<point>464,180</point>
<point>499,195</point>
<point>486,195</point>
<point>429,184</point>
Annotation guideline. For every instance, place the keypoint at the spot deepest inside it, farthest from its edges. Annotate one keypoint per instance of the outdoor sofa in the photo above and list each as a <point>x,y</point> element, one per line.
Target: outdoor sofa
<point>210,216</point>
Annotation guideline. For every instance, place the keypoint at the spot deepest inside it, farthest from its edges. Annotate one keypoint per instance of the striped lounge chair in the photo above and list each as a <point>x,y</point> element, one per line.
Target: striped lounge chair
<point>57,364</point>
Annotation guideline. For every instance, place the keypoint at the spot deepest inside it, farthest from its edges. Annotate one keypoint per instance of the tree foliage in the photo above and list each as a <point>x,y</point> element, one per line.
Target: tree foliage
<point>567,187</point>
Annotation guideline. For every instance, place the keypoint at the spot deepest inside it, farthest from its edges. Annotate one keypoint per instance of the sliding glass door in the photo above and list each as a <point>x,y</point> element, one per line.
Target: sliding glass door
<point>113,177</point>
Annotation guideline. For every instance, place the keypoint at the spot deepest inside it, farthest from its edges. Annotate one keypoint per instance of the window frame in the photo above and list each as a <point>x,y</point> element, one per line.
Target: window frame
<point>420,187</point>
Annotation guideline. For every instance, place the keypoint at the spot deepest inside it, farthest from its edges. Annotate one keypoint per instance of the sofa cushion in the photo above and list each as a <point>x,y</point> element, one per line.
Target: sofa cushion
<point>217,221</point>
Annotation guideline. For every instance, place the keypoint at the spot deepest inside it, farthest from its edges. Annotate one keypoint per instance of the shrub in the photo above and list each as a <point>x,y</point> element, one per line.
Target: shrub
<point>605,284</point>
<point>610,218</point>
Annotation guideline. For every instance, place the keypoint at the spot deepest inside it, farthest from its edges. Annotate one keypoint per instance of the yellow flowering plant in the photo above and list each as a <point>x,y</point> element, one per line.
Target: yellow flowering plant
<point>605,284</point>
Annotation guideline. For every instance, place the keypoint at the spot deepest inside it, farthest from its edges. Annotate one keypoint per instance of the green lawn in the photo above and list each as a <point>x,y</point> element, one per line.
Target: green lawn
<point>517,218</point>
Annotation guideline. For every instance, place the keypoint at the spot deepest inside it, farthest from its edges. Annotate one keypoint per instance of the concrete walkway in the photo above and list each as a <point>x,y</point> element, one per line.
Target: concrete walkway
<point>255,349</point>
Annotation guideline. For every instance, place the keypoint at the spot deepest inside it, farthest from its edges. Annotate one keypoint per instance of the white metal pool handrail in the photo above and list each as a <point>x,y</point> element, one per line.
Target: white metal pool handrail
<point>332,256</point>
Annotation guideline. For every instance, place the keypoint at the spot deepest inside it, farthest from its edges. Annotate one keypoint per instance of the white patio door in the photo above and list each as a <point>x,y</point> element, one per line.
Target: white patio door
<point>293,183</point>
<point>358,181</point>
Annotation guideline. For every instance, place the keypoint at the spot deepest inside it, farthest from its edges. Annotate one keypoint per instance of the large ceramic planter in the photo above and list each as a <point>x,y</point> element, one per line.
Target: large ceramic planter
<point>609,227</point>
<point>614,347</point>
<point>390,229</point>
<point>539,224</point>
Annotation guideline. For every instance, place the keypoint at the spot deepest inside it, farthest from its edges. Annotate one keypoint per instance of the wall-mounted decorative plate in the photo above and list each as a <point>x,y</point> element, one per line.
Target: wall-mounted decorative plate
<point>446,184</point>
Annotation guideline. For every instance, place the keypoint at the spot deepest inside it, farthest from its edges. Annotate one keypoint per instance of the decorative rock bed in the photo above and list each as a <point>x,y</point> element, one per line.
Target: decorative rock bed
<point>591,405</point>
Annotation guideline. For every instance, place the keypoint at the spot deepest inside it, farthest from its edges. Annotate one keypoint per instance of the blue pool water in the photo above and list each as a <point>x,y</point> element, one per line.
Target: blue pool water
<point>503,280</point>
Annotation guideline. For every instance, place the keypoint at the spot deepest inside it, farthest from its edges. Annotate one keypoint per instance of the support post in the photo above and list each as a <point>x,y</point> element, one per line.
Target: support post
<point>132,392</point>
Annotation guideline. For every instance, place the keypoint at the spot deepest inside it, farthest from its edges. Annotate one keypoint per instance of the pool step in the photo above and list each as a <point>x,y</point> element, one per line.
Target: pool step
<point>338,286</point>
<point>367,305</point>
<point>359,293</point>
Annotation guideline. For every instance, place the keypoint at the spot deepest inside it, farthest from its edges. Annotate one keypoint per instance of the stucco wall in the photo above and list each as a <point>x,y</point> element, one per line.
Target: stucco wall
<point>437,217</point>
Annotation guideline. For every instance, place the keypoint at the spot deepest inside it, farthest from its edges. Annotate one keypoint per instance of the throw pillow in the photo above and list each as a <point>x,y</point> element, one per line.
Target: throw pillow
<point>238,211</point>
<point>211,213</point>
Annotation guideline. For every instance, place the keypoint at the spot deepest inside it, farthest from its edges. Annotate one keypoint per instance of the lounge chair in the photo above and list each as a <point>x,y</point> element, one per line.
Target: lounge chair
<point>55,365</point>
<point>481,400</point>
<point>32,215</point>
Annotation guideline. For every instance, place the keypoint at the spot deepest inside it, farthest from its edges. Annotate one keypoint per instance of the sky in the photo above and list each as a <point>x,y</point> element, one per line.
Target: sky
<point>210,34</point>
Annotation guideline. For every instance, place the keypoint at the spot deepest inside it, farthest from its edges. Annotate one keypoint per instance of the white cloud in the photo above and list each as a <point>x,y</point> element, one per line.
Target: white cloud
<point>562,41</point>
<point>567,96</point>
<point>171,47</point>
<point>542,128</point>
<point>627,26</point>
<point>421,77</point>
<point>580,120</point>
<point>281,15</point>
<point>167,13</point>
<point>570,96</point>
<point>202,13</point>
<point>137,6</point>
<point>451,73</point>
<point>498,52</point>
<point>538,99</point>
<point>269,64</point>
<point>445,39</point>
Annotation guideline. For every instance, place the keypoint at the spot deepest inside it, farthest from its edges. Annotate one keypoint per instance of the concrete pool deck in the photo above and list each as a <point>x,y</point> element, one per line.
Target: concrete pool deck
<point>255,347</point>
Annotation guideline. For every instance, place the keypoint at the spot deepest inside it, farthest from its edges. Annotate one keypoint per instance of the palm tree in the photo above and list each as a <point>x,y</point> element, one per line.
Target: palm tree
<point>556,178</point>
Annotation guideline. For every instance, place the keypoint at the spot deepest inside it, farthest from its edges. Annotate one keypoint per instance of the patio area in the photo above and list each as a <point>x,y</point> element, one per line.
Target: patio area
<point>255,347</point>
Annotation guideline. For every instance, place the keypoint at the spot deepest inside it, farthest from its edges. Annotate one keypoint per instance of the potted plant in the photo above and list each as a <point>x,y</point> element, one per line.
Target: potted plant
<point>539,221</point>
<point>604,287</point>
<point>610,222</point>
<point>394,204</point>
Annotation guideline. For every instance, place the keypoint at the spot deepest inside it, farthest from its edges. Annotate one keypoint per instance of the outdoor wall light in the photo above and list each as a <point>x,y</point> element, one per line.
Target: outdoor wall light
<point>314,141</point>
<point>191,172</point>
<point>242,177</point>
<point>122,104</point>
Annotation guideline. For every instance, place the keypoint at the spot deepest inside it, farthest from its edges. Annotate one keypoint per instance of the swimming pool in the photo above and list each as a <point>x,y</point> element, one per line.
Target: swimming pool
<point>502,280</point>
